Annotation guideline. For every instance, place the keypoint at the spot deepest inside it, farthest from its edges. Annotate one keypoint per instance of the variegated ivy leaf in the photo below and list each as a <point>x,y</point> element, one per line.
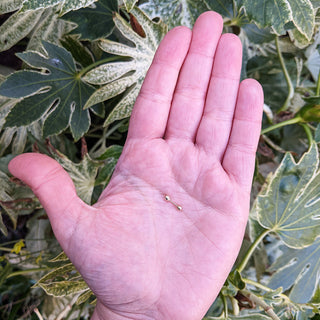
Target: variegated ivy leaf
<point>298,39</point>
<point>57,88</point>
<point>50,28</point>
<point>15,199</point>
<point>9,5</point>
<point>18,26</point>
<point>185,12</point>
<point>17,137</point>
<point>129,4</point>
<point>129,75</point>
<point>83,174</point>
<point>62,281</point>
<point>66,5</point>
<point>277,13</point>
<point>39,25</point>
<point>291,205</point>
<point>298,269</point>
<point>84,296</point>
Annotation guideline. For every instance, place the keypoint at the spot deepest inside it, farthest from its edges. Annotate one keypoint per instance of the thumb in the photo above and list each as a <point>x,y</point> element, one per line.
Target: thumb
<point>55,190</point>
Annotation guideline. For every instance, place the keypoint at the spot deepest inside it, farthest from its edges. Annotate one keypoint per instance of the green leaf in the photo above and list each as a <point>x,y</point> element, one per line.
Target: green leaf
<point>83,174</point>
<point>278,13</point>
<point>275,13</point>
<point>233,284</point>
<point>129,4</point>
<point>79,52</point>
<point>298,269</point>
<point>317,134</point>
<point>66,5</point>
<point>113,151</point>
<point>129,75</point>
<point>17,27</point>
<point>257,35</point>
<point>311,111</point>
<point>180,12</point>
<point>94,22</point>
<point>111,156</point>
<point>291,206</point>
<point>64,93</point>
<point>269,72</point>
<point>9,5</point>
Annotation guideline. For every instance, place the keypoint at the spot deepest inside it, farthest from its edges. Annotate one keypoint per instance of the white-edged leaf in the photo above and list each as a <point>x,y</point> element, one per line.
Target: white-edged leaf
<point>17,27</point>
<point>129,4</point>
<point>58,95</point>
<point>9,5</point>
<point>84,296</point>
<point>66,5</point>
<point>303,17</point>
<point>15,199</point>
<point>174,13</point>
<point>264,13</point>
<point>119,76</point>
<point>62,281</point>
<point>64,288</point>
<point>298,269</point>
<point>83,174</point>
<point>185,12</point>
<point>50,29</point>
<point>291,205</point>
<point>277,13</point>
<point>298,39</point>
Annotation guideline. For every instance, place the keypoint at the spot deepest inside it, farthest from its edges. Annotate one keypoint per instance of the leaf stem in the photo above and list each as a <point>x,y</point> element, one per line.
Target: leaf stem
<point>225,306</point>
<point>287,77</point>
<point>308,133</point>
<point>252,248</point>
<point>255,299</point>
<point>265,288</point>
<point>318,85</point>
<point>294,120</point>
<point>23,272</point>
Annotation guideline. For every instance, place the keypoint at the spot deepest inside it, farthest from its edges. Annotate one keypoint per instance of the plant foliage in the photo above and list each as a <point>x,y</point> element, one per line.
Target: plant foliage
<point>82,64</point>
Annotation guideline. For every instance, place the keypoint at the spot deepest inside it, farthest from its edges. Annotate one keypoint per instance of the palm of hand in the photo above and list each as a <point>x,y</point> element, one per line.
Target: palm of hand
<point>142,257</point>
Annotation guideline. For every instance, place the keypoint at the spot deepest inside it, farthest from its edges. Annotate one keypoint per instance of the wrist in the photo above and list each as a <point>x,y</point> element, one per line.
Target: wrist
<point>103,313</point>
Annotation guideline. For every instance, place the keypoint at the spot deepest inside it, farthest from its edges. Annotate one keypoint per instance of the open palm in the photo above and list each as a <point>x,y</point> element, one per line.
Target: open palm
<point>192,137</point>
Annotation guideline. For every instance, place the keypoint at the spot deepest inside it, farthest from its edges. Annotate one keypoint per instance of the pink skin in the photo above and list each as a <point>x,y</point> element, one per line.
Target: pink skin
<point>193,135</point>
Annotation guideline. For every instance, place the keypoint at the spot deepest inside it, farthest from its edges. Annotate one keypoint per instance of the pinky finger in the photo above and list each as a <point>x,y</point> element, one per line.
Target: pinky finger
<point>239,157</point>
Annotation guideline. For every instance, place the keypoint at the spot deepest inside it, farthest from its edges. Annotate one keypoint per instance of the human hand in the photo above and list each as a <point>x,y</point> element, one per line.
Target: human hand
<point>192,136</point>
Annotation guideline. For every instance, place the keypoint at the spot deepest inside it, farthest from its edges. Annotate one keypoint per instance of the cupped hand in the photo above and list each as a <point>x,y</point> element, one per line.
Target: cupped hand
<point>192,137</point>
